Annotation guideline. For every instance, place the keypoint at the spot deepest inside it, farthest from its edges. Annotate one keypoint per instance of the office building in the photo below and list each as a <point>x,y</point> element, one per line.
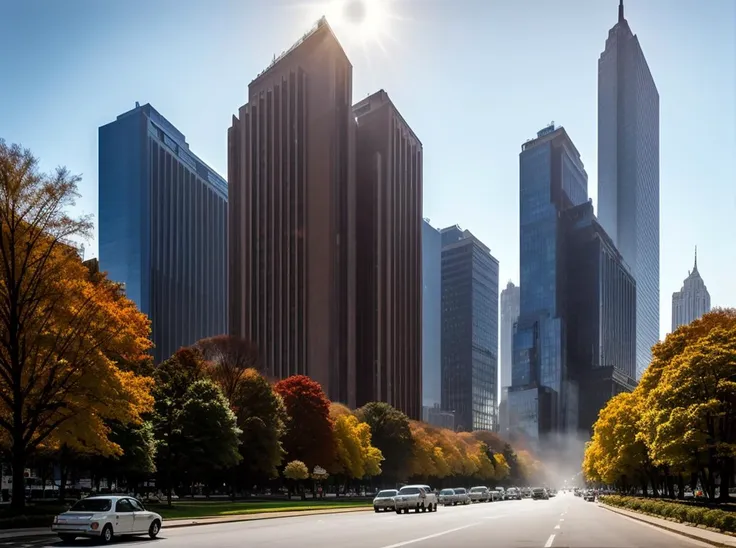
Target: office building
<point>292,206</point>
<point>692,301</point>
<point>388,158</point>
<point>431,315</point>
<point>628,171</point>
<point>509,315</point>
<point>543,394</point>
<point>435,416</point>
<point>163,228</point>
<point>601,315</point>
<point>469,330</point>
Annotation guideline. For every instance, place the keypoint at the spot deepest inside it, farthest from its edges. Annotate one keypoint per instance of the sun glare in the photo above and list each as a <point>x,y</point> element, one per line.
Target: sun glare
<point>361,20</point>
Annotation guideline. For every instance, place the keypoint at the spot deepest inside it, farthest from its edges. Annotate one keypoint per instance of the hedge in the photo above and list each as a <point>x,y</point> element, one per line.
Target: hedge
<point>684,513</point>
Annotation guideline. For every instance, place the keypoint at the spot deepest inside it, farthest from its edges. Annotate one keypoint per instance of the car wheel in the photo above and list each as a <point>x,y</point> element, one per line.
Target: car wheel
<point>375,509</point>
<point>424,508</point>
<point>67,538</point>
<point>107,534</point>
<point>154,529</point>
<point>397,510</point>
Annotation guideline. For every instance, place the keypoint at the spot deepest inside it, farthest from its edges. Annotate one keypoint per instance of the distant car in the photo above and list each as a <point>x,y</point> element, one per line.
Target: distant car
<point>384,500</point>
<point>502,491</point>
<point>106,517</point>
<point>512,493</point>
<point>462,496</point>
<point>480,494</point>
<point>539,493</point>
<point>496,495</point>
<point>589,496</point>
<point>419,497</point>
<point>447,497</point>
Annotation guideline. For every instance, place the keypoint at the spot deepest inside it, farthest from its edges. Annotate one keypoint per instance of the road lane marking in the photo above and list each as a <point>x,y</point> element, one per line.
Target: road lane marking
<point>550,540</point>
<point>557,526</point>
<point>562,519</point>
<point>413,541</point>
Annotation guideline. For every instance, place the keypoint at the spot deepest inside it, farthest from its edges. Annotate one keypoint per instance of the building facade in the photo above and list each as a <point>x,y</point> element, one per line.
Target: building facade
<point>163,217</point>
<point>692,301</point>
<point>434,415</point>
<point>388,158</point>
<point>628,171</point>
<point>292,227</point>
<point>469,330</point>
<point>601,312</point>
<point>431,315</point>
<point>552,178</point>
<point>509,315</point>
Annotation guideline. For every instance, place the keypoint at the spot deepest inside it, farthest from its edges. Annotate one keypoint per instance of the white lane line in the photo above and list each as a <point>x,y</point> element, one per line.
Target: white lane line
<point>550,540</point>
<point>557,526</point>
<point>496,517</point>
<point>562,519</point>
<point>407,542</point>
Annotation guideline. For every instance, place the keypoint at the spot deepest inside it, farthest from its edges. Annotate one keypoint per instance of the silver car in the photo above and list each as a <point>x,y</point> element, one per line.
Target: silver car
<point>419,497</point>
<point>480,494</point>
<point>462,496</point>
<point>447,497</point>
<point>384,500</point>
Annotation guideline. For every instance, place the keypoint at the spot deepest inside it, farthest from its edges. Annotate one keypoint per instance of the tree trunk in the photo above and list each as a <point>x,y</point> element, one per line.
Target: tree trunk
<point>18,462</point>
<point>681,487</point>
<point>726,477</point>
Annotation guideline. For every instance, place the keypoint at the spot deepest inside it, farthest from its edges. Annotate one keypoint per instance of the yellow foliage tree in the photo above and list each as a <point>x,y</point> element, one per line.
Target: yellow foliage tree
<point>64,330</point>
<point>355,456</point>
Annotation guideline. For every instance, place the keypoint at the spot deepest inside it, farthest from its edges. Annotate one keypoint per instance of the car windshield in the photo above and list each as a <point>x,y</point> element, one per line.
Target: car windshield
<point>460,491</point>
<point>409,491</point>
<point>387,493</point>
<point>91,505</point>
<point>477,489</point>
<point>447,492</point>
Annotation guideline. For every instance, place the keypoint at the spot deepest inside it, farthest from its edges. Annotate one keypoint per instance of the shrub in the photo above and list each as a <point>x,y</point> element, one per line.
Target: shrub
<point>718,519</point>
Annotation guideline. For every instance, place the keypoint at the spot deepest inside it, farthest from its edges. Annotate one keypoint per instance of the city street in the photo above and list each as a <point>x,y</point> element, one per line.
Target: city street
<point>564,521</point>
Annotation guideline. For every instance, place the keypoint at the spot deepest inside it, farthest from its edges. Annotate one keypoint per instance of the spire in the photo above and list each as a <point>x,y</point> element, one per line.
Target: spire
<point>620,10</point>
<point>695,268</point>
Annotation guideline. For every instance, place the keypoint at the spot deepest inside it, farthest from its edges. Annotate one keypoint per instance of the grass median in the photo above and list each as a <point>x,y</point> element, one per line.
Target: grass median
<point>200,509</point>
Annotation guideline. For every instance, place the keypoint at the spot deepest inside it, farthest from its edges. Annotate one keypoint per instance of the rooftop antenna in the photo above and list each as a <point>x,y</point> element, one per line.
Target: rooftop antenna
<point>137,104</point>
<point>696,258</point>
<point>620,10</point>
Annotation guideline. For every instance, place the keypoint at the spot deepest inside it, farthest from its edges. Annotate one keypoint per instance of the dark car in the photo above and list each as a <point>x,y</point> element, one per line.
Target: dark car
<point>589,496</point>
<point>539,493</point>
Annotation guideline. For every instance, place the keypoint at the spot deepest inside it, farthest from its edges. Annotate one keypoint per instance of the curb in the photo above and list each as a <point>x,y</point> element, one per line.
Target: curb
<point>670,529</point>
<point>184,522</point>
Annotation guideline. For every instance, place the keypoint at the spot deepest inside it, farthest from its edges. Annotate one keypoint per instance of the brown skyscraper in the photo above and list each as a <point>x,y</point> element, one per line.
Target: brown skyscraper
<point>389,260</point>
<point>291,204</point>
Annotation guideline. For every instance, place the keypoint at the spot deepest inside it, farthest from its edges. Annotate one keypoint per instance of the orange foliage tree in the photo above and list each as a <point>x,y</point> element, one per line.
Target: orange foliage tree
<point>309,428</point>
<point>63,329</point>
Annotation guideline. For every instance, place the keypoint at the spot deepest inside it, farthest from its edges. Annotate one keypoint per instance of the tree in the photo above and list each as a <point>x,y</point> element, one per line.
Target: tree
<point>261,417</point>
<point>309,429</point>
<point>228,357</point>
<point>391,434</point>
<point>138,459</point>
<point>61,329</point>
<point>296,471</point>
<point>355,456</point>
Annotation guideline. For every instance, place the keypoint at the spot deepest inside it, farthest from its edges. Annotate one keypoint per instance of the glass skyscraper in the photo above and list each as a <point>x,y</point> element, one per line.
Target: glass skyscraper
<point>163,228</point>
<point>552,178</point>
<point>431,315</point>
<point>628,172</point>
<point>469,330</point>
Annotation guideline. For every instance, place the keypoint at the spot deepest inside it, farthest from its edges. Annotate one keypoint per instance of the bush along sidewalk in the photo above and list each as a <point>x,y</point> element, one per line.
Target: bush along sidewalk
<point>683,513</point>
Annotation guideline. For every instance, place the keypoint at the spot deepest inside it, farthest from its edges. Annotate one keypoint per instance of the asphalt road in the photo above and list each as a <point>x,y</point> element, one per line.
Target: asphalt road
<point>561,522</point>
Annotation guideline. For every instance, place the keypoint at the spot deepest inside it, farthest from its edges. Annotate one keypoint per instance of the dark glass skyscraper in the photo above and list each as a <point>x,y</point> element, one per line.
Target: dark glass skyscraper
<point>163,228</point>
<point>388,158</point>
<point>628,171</point>
<point>431,315</point>
<point>552,178</point>
<point>469,330</point>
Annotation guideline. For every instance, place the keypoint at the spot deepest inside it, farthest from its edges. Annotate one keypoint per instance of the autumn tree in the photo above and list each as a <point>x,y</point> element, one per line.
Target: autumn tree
<point>296,471</point>
<point>391,434</point>
<point>355,458</point>
<point>61,329</point>
<point>261,416</point>
<point>228,358</point>
<point>309,429</point>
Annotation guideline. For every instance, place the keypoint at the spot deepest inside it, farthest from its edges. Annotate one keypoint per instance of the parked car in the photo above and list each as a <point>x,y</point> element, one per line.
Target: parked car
<point>419,497</point>
<point>496,495</point>
<point>384,500</point>
<point>589,496</point>
<point>462,496</point>
<point>480,494</point>
<point>447,497</point>
<point>105,517</point>
<point>512,493</point>
<point>540,493</point>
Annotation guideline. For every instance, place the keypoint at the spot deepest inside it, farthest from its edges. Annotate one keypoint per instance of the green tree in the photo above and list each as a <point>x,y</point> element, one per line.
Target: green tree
<point>391,434</point>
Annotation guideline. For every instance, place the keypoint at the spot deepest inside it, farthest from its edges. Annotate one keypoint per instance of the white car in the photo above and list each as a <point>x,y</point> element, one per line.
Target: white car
<point>384,500</point>
<point>419,497</point>
<point>105,517</point>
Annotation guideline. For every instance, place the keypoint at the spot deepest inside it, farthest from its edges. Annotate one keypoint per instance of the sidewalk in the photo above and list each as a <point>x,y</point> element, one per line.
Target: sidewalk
<point>9,534</point>
<point>691,531</point>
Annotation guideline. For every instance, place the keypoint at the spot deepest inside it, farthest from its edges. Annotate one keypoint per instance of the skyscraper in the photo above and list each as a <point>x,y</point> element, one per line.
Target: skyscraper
<point>163,228</point>
<point>552,178</point>
<point>431,315</point>
<point>292,215</point>
<point>628,171</point>
<point>389,222</point>
<point>469,330</point>
<point>692,301</point>
<point>509,315</point>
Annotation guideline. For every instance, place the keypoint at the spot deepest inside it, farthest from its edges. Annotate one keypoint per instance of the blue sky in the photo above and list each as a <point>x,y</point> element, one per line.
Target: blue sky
<point>474,78</point>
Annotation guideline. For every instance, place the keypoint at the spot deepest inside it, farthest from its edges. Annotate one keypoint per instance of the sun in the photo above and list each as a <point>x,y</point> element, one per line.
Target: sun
<point>361,20</point>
